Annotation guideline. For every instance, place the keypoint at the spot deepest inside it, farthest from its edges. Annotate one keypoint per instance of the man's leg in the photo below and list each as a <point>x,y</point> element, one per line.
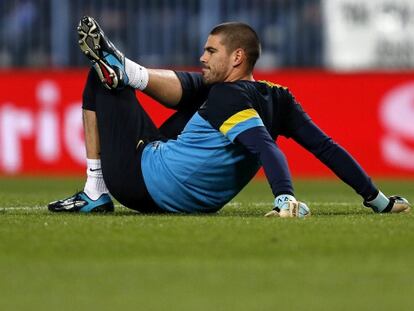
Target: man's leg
<point>115,71</point>
<point>90,127</point>
<point>94,197</point>
<point>124,129</point>
<point>95,184</point>
<point>347,169</point>
<point>116,131</point>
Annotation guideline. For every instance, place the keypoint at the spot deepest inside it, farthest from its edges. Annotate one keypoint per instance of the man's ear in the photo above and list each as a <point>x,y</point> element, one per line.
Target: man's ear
<point>238,57</point>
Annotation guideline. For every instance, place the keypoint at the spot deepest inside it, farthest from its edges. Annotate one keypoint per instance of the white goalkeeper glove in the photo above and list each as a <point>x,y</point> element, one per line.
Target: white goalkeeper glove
<point>287,206</point>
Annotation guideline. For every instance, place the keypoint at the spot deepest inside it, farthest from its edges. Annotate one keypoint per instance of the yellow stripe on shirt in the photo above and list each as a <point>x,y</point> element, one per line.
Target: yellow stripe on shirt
<point>237,118</point>
<point>271,84</point>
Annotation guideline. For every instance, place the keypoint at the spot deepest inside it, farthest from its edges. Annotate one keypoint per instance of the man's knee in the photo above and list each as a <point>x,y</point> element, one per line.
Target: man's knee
<point>89,92</point>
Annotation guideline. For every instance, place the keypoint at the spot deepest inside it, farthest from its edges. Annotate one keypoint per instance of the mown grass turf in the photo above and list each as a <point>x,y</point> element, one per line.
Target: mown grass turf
<point>343,258</point>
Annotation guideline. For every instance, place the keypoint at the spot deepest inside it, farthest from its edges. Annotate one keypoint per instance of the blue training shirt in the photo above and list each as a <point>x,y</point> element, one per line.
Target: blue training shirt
<point>205,167</point>
<point>200,171</point>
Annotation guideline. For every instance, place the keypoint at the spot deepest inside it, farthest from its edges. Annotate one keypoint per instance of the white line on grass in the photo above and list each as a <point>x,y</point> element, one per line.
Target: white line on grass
<point>232,204</point>
<point>22,208</point>
<point>29,208</point>
<point>267,203</point>
<point>331,203</point>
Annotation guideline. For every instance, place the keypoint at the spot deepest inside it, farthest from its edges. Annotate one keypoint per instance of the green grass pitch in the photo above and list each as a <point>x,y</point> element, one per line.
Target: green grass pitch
<point>342,258</point>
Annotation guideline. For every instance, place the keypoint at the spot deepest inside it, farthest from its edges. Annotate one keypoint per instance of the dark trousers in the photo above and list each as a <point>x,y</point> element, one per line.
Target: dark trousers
<point>122,125</point>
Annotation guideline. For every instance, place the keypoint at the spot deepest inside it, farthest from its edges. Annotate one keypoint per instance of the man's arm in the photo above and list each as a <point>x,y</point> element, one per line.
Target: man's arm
<point>258,141</point>
<point>173,89</point>
<point>177,89</point>
<point>299,126</point>
<point>347,169</point>
<point>164,86</point>
<point>336,158</point>
<point>229,110</point>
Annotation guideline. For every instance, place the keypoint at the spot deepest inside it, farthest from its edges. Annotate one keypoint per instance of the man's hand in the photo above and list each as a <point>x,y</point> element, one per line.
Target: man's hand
<point>286,206</point>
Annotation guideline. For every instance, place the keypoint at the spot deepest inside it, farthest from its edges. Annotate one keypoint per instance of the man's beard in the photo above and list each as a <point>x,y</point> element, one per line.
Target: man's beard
<point>211,78</point>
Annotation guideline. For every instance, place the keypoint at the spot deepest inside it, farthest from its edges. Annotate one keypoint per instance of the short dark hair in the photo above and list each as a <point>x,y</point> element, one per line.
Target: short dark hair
<point>239,35</point>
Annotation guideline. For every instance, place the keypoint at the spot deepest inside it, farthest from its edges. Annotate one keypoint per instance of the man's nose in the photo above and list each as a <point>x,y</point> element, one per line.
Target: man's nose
<point>203,58</point>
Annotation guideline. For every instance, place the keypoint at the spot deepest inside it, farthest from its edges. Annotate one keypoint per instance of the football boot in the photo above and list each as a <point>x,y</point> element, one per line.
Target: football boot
<point>106,59</point>
<point>80,202</point>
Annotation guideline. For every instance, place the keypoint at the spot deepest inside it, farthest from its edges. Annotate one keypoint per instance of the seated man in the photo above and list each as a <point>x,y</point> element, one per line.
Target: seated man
<point>222,133</point>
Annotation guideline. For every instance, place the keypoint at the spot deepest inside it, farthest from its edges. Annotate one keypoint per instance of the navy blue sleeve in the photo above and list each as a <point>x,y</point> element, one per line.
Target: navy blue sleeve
<point>336,158</point>
<point>195,91</point>
<point>259,142</point>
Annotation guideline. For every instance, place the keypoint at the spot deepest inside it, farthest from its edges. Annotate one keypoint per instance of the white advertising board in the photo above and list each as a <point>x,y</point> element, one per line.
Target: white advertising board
<point>369,34</point>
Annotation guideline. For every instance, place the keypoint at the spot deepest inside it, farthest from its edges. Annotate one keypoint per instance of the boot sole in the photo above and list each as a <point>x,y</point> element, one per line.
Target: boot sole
<point>89,39</point>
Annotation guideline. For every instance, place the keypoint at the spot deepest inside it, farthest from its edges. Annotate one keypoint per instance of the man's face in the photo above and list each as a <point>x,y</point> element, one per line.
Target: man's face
<point>216,60</point>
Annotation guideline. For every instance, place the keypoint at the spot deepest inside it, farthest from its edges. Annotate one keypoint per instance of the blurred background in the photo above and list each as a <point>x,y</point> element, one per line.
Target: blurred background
<point>294,33</point>
<point>350,59</point>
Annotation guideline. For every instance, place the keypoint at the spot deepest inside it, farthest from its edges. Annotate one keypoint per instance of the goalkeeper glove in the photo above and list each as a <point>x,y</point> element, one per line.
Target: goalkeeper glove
<point>286,206</point>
